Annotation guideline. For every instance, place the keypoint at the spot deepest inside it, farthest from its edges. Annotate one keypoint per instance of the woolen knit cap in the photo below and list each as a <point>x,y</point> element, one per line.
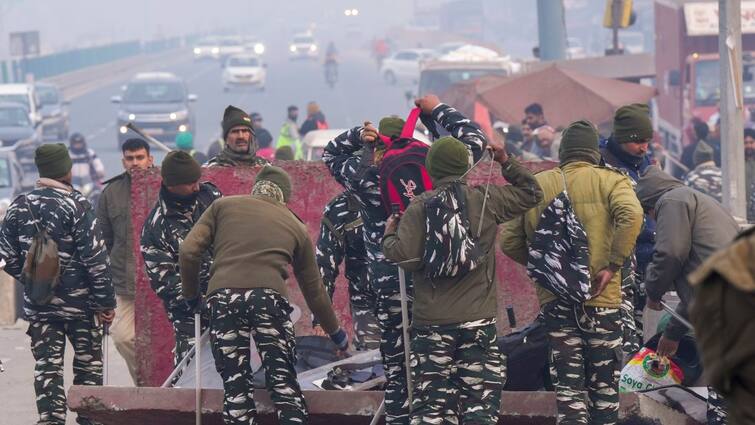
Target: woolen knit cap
<point>277,176</point>
<point>233,117</point>
<point>391,126</point>
<point>703,153</point>
<point>179,167</point>
<point>632,124</point>
<point>52,160</point>
<point>447,157</point>
<point>579,142</point>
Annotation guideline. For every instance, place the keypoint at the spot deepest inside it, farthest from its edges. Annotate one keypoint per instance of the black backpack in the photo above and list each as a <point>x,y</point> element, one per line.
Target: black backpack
<point>559,256</point>
<point>450,248</point>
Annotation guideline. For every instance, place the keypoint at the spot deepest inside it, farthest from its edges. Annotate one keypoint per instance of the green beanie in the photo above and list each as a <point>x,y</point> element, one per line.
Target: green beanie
<point>632,124</point>
<point>52,160</point>
<point>284,153</point>
<point>179,167</point>
<point>278,177</point>
<point>185,141</point>
<point>703,153</point>
<point>447,157</point>
<point>233,117</point>
<point>391,126</point>
<point>579,142</point>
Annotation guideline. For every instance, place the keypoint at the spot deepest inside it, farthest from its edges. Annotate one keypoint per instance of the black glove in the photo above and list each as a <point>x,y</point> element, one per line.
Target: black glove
<point>193,304</point>
<point>340,339</point>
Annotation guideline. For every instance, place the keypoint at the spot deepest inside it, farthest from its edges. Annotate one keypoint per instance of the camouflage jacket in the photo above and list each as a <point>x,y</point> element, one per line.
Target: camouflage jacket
<point>228,158</point>
<point>164,229</point>
<point>360,176</point>
<point>341,236</point>
<point>85,281</point>
<point>706,178</point>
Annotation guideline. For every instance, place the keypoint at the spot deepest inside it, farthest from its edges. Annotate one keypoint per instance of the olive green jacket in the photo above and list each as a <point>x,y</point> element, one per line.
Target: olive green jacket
<point>472,296</point>
<point>114,220</point>
<point>605,203</point>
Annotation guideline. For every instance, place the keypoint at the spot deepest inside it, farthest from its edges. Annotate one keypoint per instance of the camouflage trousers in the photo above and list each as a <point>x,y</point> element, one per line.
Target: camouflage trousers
<point>183,329</point>
<point>362,303</point>
<point>585,345</point>
<point>48,342</point>
<point>716,408</point>
<point>458,374</point>
<point>262,314</point>
<point>631,330</point>
<point>388,312</point>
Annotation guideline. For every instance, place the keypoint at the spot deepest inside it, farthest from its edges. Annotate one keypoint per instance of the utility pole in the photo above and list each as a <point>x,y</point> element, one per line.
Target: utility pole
<point>550,29</point>
<point>616,17</point>
<point>732,104</point>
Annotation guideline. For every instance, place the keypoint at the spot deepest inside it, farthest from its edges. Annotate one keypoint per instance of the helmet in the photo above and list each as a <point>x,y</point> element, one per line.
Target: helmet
<point>77,138</point>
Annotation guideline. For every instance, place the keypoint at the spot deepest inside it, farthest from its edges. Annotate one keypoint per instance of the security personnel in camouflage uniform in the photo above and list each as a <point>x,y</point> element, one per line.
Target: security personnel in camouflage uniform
<point>255,239</point>
<point>457,368</point>
<point>84,291</point>
<point>585,340</point>
<point>356,169</point>
<point>341,239</point>
<point>706,177</point>
<point>240,146</point>
<point>182,201</point>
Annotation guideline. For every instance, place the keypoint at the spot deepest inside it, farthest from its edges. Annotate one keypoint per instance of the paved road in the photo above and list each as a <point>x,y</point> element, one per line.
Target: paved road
<point>359,95</point>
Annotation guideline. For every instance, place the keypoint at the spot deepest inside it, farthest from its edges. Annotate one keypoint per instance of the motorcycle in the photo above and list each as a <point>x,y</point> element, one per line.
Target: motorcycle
<point>88,187</point>
<point>331,73</point>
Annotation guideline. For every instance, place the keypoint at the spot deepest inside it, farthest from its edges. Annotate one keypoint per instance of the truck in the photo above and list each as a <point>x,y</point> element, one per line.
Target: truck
<point>687,67</point>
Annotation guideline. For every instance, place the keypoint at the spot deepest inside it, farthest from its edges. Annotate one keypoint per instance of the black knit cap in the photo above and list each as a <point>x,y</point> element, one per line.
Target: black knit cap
<point>632,124</point>
<point>233,117</point>
<point>179,167</point>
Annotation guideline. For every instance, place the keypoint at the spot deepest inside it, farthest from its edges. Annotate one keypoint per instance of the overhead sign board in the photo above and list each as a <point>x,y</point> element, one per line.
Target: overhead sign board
<point>24,43</point>
<point>702,18</point>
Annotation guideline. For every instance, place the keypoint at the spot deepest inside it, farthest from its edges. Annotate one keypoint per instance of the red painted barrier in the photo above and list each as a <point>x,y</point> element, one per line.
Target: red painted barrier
<point>313,188</point>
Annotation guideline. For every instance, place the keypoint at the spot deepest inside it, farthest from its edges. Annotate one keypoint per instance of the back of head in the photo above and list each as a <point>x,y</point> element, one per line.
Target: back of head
<point>179,168</point>
<point>579,142</point>
<point>134,144</point>
<point>653,183</point>
<point>447,157</point>
<point>750,132</point>
<point>273,182</point>
<point>312,108</point>
<point>391,126</point>
<point>631,123</point>
<point>52,160</point>
<point>284,153</point>
<point>701,129</point>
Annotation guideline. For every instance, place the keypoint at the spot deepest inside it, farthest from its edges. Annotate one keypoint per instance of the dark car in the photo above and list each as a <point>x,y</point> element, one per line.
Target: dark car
<point>18,134</point>
<point>159,104</point>
<point>54,112</point>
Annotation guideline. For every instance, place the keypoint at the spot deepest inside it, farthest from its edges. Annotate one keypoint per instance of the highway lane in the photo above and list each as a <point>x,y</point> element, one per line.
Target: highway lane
<point>359,95</point>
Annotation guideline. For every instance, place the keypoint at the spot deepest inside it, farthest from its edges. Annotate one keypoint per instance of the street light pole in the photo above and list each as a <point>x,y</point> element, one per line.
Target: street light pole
<point>732,107</point>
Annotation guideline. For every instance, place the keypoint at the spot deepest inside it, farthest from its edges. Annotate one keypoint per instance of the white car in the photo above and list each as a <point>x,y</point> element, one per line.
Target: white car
<point>231,45</point>
<point>403,66</point>
<point>303,46</point>
<point>244,70</point>
<point>207,48</point>
<point>26,95</point>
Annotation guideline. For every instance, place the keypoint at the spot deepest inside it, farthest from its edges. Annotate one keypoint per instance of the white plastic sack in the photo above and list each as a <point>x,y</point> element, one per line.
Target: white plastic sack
<point>646,370</point>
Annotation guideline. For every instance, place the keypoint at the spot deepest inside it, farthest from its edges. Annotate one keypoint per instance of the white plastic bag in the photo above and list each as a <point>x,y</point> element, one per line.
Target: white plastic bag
<point>646,370</point>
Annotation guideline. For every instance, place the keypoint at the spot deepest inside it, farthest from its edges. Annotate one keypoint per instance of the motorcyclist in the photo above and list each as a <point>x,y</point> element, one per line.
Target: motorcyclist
<point>86,164</point>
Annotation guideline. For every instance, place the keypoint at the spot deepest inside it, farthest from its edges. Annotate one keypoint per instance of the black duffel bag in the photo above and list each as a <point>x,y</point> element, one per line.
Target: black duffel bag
<point>527,355</point>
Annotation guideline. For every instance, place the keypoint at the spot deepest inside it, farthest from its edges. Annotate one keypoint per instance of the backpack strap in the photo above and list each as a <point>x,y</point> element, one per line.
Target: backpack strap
<point>563,179</point>
<point>329,224</point>
<point>31,213</point>
<point>411,122</point>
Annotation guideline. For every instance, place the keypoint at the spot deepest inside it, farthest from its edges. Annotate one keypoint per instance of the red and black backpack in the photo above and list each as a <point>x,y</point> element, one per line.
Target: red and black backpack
<point>402,170</point>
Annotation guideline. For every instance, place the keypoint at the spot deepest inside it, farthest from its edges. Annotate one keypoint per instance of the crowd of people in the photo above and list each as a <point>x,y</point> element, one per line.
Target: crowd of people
<point>604,234</point>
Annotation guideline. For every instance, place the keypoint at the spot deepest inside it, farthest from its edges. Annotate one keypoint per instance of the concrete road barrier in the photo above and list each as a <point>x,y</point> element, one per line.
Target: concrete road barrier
<point>313,187</point>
